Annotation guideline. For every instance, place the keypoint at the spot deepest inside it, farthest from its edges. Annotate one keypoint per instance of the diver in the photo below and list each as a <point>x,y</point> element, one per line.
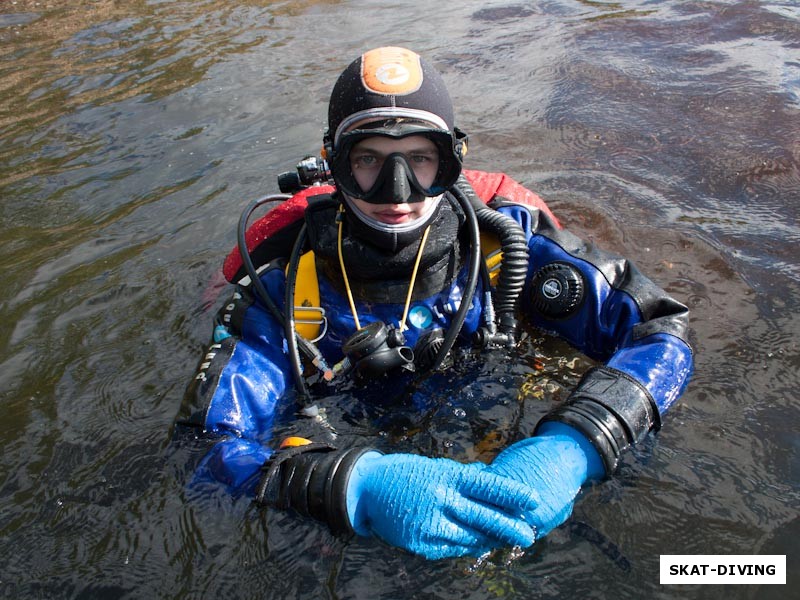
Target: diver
<point>388,257</point>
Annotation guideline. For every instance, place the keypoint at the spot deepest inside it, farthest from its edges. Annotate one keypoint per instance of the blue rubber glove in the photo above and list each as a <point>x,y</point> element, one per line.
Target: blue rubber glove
<point>556,463</point>
<point>437,507</point>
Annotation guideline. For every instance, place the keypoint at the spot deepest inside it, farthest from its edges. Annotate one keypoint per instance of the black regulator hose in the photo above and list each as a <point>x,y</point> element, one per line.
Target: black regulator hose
<point>245,253</point>
<point>285,320</point>
<point>289,329</point>
<point>475,260</point>
<point>514,268</point>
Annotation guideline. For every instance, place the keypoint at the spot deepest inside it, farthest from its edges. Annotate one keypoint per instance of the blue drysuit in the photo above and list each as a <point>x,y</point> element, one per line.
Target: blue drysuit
<point>617,317</point>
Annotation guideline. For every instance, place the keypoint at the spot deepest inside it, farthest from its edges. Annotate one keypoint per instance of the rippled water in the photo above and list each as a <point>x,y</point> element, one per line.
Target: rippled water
<point>131,136</point>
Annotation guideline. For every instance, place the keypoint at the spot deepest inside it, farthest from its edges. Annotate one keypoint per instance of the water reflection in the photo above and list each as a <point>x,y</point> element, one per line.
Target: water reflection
<point>61,57</point>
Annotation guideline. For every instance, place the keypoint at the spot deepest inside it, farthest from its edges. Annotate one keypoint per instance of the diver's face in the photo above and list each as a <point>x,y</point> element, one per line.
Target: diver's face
<point>367,158</point>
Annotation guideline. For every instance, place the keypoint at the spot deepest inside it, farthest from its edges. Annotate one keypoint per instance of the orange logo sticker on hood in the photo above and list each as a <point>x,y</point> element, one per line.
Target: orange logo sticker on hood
<point>391,70</point>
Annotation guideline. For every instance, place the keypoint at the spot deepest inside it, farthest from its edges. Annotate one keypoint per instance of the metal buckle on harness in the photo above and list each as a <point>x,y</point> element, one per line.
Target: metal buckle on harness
<point>306,322</point>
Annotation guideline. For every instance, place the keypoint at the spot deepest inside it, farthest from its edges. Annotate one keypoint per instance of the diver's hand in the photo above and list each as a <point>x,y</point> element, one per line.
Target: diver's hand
<point>556,464</point>
<point>437,507</point>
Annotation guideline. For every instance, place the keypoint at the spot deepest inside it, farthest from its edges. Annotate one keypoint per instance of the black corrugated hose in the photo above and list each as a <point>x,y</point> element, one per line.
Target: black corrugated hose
<point>514,268</point>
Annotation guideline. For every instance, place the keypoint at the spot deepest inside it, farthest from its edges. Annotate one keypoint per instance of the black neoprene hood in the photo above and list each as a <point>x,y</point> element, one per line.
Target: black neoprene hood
<point>385,83</point>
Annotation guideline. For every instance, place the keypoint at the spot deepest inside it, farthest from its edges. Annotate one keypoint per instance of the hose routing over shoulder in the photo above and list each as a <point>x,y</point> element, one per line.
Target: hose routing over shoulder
<point>241,239</point>
<point>514,268</point>
<point>475,261</point>
<point>295,342</point>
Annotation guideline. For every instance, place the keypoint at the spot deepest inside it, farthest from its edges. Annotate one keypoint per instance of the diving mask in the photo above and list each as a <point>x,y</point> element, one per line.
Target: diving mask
<point>397,181</point>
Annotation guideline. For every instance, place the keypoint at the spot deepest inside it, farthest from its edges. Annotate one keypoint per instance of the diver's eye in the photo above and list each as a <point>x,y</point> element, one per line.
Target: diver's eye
<point>422,159</point>
<point>364,161</point>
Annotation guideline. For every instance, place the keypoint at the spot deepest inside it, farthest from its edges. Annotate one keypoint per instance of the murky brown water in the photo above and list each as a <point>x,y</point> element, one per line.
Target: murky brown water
<point>131,136</point>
